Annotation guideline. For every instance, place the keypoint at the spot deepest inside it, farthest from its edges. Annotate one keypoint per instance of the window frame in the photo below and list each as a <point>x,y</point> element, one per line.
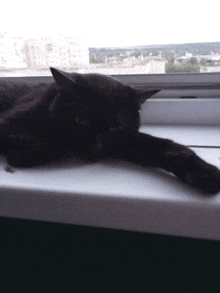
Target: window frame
<point>184,99</point>
<point>179,81</point>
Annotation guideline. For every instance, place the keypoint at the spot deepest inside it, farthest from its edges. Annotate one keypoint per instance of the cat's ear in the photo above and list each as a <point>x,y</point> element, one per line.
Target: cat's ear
<point>64,80</point>
<point>142,96</point>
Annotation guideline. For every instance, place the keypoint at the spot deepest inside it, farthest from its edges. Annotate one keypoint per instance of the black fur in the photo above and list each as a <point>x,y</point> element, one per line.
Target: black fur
<point>90,116</point>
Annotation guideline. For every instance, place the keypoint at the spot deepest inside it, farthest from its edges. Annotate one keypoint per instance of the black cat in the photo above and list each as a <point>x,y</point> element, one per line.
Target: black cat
<point>90,116</point>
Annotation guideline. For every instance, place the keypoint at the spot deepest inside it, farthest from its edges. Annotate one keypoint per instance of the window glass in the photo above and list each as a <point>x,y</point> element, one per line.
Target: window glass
<point>116,37</point>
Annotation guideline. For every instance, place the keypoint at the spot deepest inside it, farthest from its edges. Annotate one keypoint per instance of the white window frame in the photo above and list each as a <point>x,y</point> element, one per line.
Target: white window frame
<point>184,99</point>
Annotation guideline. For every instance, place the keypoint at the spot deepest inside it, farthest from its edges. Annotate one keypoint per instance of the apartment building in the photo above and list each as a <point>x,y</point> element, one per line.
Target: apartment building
<point>11,52</point>
<point>41,53</point>
<point>62,52</point>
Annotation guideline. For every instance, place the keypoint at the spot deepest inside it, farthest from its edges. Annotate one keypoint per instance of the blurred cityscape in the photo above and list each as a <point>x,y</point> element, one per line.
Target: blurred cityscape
<point>20,56</point>
<point>23,56</point>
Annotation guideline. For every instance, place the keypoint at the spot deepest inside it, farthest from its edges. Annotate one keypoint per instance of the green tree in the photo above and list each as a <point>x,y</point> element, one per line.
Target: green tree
<point>193,61</point>
<point>156,53</point>
<point>96,59</point>
<point>203,62</point>
<point>169,56</point>
<point>184,68</point>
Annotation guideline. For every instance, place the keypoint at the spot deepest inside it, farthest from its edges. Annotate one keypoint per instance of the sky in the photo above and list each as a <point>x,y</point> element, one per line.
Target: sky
<point>114,23</point>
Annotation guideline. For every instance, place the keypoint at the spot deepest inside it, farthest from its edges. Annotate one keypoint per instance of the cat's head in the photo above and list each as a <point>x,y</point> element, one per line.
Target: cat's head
<point>96,99</point>
<point>99,84</point>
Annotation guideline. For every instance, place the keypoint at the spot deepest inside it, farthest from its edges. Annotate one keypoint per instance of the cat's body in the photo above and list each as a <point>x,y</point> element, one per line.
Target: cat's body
<point>89,116</point>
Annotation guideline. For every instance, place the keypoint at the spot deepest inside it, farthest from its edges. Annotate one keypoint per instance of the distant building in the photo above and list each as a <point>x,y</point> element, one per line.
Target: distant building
<point>208,58</point>
<point>210,69</point>
<point>157,67</point>
<point>63,52</point>
<point>35,53</point>
<point>11,52</point>
<point>188,55</point>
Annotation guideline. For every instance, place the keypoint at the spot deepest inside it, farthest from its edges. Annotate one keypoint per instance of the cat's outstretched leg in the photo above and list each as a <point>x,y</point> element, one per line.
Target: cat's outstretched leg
<point>175,158</point>
<point>147,150</point>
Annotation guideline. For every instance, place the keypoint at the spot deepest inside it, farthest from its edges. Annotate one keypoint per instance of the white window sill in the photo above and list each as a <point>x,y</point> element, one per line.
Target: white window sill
<point>118,195</point>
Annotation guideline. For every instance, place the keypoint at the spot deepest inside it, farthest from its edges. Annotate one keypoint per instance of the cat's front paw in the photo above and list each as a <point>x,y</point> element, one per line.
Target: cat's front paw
<point>204,177</point>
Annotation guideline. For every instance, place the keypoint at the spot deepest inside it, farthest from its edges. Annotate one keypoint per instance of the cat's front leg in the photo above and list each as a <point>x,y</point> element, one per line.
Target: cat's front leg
<point>191,169</point>
<point>175,158</point>
<point>112,143</point>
